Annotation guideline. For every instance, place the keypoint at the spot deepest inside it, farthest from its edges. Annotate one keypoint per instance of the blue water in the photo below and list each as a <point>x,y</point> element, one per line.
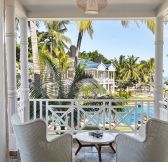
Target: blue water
<point>147,112</point>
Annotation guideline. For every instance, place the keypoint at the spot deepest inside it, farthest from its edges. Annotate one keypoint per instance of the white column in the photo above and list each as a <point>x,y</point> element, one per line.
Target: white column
<point>108,88</point>
<point>158,88</point>
<point>3,98</point>
<point>11,64</point>
<point>113,90</point>
<point>24,90</point>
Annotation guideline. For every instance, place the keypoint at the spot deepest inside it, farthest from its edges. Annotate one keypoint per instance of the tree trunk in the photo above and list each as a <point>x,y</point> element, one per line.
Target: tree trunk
<point>33,30</point>
<point>80,36</point>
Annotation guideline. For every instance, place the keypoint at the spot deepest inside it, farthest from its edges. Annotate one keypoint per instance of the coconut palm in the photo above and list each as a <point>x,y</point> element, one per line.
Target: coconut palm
<point>79,79</point>
<point>83,26</point>
<point>92,91</point>
<point>130,70</point>
<point>33,33</point>
<point>55,37</point>
<point>146,69</point>
<point>119,65</point>
<point>151,24</point>
<point>62,60</point>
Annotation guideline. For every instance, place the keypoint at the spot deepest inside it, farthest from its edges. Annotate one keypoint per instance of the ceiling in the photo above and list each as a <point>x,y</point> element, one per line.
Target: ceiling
<point>67,9</point>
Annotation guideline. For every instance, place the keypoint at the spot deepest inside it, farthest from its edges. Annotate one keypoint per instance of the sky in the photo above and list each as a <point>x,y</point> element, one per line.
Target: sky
<point>111,39</point>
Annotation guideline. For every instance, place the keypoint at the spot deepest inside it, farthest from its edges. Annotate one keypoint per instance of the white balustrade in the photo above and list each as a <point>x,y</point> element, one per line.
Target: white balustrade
<point>164,110</point>
<point>80,114</point>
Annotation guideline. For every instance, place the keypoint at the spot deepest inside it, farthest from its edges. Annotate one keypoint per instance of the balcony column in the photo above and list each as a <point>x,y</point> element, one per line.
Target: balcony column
<point>24,90</point>
<point>158,80</point>
<point>3,98</point>
<point>10,39</point>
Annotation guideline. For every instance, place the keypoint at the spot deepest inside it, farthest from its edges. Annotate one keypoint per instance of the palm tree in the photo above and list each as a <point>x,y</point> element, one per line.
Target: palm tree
<point>33,33</point>
<point>79,79</point>
<point>119,65</point>
<point>55,35</point>
<point>92,91</point>
<point>83,26</point>
<point>147,71</point>
<point>151,24</point>
<point>130,70</point>
<point>62,60</point>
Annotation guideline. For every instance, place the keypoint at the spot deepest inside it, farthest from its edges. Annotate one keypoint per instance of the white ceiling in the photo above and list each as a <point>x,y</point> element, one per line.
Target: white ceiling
<point>68,9</point>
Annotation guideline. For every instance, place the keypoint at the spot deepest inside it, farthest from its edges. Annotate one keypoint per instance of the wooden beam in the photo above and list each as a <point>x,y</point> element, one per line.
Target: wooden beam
<point>20,11</point>
<point>79,15</point>
<point>163,9</point>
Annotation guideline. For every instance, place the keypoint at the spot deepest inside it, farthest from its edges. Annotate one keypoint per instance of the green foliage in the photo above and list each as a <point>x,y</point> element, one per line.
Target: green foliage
<point>119,64</point>
<point>94,56</point>
<point>38,89</point>
<point>123,84</point>
<point>129,71</point>
<point>166,82</point>
<point>91,128</point>
<point>80,77</point>
<point>83,26</point>
<point>124,94</point>
<point>55,36</point>
<point>92,91</point>
<point>150,23</point>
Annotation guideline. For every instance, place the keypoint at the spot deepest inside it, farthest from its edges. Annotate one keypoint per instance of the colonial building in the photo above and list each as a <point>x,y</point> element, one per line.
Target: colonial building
<point>103,73</point>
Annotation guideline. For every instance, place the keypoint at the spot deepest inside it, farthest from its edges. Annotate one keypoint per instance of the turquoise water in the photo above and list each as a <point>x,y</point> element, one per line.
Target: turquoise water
<point>147,112</point>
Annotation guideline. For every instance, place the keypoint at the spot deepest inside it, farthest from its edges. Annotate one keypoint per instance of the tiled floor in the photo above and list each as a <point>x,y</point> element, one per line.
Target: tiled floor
<point>89,155</point>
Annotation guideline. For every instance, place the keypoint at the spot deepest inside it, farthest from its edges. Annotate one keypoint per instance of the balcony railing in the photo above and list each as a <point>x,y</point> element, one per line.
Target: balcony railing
<point>105,81</point>
<point>114,115</point>
<point>164,110</point>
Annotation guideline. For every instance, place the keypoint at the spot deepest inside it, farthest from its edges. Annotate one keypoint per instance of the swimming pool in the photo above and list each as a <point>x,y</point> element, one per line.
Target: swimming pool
<point>146,111</point>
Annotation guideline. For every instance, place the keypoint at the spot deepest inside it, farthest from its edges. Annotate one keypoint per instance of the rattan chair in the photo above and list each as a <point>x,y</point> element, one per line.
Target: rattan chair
<point>153,147</point>
<point>34,146</point>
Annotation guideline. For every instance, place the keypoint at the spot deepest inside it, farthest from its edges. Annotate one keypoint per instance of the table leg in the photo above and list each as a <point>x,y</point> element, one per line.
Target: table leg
<point>111,145</point>
<point>79,147</point>
<point>99,152</point>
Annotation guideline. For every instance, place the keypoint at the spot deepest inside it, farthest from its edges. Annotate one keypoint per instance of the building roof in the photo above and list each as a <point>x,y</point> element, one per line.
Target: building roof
<point>94,65</point>
<point>110,67</point>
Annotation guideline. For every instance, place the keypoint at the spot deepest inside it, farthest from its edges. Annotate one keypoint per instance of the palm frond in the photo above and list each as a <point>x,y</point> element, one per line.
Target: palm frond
<point>80,78</point>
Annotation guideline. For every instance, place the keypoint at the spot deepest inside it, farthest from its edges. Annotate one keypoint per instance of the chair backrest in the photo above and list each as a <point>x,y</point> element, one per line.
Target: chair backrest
<point>30,138</point>
<point>157,140</point>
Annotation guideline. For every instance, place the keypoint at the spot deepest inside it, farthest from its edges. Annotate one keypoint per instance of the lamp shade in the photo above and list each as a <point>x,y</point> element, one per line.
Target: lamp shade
<point>91,6</point>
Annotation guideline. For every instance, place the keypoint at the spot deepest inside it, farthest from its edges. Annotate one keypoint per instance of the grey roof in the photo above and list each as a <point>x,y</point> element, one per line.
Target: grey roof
<point>91,64</point>
<point>107,65</point>
<point>88,63</point>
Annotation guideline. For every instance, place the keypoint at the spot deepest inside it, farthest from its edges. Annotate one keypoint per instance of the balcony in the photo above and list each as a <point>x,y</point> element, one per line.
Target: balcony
<point>124,116</point>
<point>116,115</point>
<point>106,81</point>
<point>74,115</point>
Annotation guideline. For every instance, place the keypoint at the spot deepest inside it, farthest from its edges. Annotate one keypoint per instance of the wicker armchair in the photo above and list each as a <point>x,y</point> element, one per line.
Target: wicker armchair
<point>153,147</point>
<point>34,146</point>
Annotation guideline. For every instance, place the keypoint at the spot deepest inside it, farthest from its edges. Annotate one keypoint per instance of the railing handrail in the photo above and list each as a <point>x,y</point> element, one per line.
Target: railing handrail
<point>98,100</point>
<point>99,112</point>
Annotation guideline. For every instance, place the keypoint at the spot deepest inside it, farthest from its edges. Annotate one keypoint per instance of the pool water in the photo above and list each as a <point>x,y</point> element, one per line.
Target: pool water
<point>147,112</point>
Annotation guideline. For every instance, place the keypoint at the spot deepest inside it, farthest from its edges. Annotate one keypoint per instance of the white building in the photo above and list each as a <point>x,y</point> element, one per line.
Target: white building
<point>103,73</point>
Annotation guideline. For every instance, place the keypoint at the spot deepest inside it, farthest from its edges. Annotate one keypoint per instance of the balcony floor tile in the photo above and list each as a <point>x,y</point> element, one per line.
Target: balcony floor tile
<point>88,155</point>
